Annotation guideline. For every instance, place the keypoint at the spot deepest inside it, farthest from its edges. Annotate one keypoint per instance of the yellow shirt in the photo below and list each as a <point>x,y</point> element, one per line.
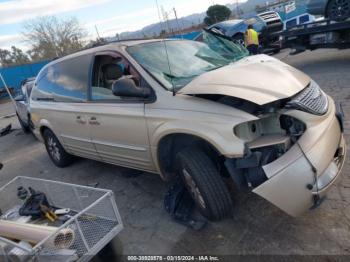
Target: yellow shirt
<point>251,37</point>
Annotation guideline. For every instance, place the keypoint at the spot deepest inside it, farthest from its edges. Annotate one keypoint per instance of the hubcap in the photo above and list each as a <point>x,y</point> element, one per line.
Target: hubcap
<point>340,9</point>
<point>239,42</point>
<point>194,190</point>
<point>53,149</point>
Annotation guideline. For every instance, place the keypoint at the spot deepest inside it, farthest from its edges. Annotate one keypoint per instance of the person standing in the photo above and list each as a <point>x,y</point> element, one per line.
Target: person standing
<point>251,39</point>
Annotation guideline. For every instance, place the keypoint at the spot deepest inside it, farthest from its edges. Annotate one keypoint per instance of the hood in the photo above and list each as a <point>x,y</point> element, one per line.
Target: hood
<point>259,79</point>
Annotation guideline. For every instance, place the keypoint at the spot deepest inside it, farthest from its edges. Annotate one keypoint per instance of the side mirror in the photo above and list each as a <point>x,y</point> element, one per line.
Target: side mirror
<point>126,87</point>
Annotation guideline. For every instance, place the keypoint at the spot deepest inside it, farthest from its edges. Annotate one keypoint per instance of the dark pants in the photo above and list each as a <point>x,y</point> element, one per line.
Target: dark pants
<point>253,49</point>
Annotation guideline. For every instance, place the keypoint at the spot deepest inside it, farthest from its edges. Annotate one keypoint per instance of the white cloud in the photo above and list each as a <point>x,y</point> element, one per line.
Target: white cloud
<point>6,41</point>
<point>139,19</point>
<point>127,16</point>
<point>20,10</point>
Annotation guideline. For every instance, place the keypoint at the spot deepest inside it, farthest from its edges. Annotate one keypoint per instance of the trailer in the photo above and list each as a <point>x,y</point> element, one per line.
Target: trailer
<point>318,34</point>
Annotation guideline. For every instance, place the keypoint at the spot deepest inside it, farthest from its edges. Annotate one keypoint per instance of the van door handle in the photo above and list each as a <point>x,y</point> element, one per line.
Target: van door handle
<point>81,120</point>
<point>93,121</point>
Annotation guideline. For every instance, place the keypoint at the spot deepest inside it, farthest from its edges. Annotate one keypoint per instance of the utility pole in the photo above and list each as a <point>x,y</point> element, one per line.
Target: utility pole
<point>98,35</point>
<point>177,21</point>
<point>165,18</point>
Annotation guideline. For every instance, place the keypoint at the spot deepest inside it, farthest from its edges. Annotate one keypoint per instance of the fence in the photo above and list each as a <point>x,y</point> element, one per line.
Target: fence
<point>14,75</point>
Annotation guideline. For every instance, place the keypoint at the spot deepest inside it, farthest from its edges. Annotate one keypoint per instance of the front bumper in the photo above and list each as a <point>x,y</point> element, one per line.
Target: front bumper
<point>309,168</point>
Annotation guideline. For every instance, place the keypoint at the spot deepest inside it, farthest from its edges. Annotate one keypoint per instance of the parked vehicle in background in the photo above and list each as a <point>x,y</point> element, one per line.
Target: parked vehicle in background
<point>266,24</point>
<point>22,104</point>
<point>180,108</point>
<point>337,10</point>
<point>298,20</point>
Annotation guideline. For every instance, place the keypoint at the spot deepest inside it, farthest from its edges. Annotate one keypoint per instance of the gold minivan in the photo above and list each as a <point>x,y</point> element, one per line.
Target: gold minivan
<point>201,111</point>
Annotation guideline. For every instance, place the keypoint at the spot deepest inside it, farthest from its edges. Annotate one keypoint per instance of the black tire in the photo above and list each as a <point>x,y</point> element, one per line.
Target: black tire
<point>238,39</point>
<point>25,128</point>
<point>56,152</point>
<point>338,10</point>
<point>203,181</point>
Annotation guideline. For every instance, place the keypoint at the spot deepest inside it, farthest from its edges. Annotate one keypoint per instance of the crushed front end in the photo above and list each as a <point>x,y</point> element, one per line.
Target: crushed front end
<point>294,153</point>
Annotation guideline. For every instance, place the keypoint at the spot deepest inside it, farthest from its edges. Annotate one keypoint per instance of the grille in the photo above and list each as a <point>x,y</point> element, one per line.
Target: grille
<point>312,99</point>
<point>270,17</point>
<point>272,20</point>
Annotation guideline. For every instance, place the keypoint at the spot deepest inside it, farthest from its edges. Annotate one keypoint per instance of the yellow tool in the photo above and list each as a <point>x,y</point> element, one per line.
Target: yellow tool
<point>48,213</point>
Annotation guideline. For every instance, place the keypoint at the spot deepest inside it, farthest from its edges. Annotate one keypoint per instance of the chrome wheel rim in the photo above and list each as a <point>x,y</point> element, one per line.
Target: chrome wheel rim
<point>194,190</point>
<point>239,42</point>
<point>53,149</point>
<point>340,9</point>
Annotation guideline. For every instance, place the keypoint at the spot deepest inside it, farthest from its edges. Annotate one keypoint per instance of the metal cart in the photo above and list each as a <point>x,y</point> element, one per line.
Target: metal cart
<point>94,217</point>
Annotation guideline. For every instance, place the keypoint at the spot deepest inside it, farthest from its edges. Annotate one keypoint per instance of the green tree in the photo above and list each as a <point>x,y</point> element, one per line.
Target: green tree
<point>18,57</point>
<point>5,58</point>
<point>217,13</point>
<point>13,57</point>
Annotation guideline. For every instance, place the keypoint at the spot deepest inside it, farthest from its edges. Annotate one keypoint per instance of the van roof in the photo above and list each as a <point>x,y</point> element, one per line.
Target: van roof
<point>105,47</point>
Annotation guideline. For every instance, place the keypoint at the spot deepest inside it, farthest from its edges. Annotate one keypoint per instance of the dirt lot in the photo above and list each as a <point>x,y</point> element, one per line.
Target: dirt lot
<point>257,227</point>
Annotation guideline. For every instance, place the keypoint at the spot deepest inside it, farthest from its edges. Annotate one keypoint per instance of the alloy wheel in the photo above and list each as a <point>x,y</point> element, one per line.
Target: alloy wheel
<point>53,149</point>
<point>339,9</point>
<point>194,190</point>
<point>239,42</point>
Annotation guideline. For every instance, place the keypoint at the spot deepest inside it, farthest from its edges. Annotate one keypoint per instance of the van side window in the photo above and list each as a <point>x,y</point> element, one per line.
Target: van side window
<point>65,81</point>
<point>106,70</point>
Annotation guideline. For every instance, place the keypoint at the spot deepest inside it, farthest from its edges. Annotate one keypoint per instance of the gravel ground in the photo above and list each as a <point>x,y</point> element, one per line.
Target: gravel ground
<point>257,227</point>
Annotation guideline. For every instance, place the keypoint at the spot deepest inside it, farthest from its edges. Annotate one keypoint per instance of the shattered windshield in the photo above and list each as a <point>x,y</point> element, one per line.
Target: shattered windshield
<point>175,63</point>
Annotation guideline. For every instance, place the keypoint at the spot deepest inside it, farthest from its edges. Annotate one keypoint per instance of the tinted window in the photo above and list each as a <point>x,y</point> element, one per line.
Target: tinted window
<point>65,81</point>
<point>291,23</point>
<point>304,19</point>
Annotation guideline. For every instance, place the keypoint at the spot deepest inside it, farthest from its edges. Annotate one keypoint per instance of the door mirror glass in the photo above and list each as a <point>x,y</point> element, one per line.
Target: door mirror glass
<point>126,87</point>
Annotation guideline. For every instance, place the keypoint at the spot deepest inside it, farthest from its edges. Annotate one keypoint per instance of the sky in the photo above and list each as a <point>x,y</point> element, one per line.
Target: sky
<point>109,16</point>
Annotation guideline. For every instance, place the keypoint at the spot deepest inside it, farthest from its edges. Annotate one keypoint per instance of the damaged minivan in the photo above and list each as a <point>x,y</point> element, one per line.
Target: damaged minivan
<point>203,111</point>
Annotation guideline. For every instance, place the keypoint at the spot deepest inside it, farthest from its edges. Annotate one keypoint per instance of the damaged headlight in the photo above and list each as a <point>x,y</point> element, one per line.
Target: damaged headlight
<point>312,100</point>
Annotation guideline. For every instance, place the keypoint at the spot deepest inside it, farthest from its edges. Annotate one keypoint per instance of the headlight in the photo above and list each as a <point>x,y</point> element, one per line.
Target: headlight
<point>312,100</point>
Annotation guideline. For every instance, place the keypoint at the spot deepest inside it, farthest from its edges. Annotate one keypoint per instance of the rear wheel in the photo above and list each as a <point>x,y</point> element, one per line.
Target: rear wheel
<point>58,155</point>
<point>338,10</point>
<point>203,181</point>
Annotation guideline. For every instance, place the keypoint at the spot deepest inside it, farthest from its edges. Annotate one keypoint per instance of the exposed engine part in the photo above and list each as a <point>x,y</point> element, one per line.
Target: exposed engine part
<point>267,139</point>
<point>294,127</point>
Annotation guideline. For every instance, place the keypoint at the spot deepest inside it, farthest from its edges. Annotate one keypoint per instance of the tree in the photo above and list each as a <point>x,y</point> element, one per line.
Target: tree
<point>13,57</point>
<point>5,58</point>
<point>51,37</point>
<point>18,57</point>
<point>217,13</point>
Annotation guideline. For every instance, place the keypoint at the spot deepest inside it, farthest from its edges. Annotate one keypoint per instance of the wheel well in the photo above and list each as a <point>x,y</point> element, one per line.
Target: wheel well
<point>238,34</point>
<point>326,9</point>
<point>170,145</point>
<point>42,129</point>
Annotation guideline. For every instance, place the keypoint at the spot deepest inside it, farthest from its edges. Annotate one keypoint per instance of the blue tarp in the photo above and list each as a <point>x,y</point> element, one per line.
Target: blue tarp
<point>188,36</point>
<point>16,74</point>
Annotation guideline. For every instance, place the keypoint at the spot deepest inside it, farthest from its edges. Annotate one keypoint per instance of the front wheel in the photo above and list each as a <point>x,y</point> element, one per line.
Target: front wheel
<point>239,39</point>
<point>58,155</point>
<point>338,10</point>
<point>203,181</point>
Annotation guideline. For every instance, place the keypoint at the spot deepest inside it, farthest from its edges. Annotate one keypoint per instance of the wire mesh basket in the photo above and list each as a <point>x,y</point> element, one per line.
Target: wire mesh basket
<point>93,221</point>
